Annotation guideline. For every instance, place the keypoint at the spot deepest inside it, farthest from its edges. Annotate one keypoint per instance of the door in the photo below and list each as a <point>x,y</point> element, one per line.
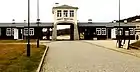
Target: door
<point>15,33</point>
<point>113,33</point>
<point>109,33</point>
<point>20,33</point>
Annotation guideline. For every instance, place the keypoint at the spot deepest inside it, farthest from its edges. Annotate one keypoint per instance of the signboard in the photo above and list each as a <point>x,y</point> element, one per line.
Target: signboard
<point>65,19</point>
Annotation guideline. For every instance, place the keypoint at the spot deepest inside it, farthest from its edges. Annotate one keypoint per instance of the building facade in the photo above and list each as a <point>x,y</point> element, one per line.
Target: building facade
<point>67,15</point>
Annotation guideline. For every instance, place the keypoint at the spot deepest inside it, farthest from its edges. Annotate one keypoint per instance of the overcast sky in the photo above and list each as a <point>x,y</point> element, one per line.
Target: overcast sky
<point>98,10</point>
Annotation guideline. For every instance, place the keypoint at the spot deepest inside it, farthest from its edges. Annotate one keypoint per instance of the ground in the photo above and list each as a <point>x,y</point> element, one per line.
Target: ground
<point>80,56</point>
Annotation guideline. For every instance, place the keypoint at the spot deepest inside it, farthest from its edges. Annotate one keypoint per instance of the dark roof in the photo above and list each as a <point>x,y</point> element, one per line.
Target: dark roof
<point>130,19</point>
<point>25,25</point>
<point>81,24</point>
<point>105,24</point>
<point>65,7</point>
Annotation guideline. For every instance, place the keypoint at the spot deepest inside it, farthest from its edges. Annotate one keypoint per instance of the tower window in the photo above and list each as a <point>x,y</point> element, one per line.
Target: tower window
<point>65,13</point>
<point>58,13</point>
<point>71,13</point>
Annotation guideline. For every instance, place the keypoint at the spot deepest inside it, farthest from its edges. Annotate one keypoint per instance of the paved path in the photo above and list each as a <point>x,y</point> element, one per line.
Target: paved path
<point>78,56</point>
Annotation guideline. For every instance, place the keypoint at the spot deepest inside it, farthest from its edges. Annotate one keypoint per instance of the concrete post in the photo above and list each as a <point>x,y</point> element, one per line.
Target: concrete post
<point>76,34</point>
<point>54,32</point>
<point>48,33</point>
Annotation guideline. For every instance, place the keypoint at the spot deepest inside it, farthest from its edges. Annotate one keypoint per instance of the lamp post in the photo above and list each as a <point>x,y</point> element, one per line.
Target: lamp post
<point>28,37</point>
<point>38,22</point>
<point>128,40</point>
<point>119,31</point>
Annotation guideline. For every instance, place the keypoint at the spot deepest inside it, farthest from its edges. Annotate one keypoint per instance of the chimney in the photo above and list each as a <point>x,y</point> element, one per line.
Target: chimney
<point>89,20</point>
<point>137,20</point>
<point>125,21</point>
<point>114,21</point>
<point>56,4</point>
<point>13,21</point>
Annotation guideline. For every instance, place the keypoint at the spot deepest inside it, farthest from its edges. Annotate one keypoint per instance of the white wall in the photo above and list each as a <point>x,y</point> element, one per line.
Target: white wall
<point>113,34</point>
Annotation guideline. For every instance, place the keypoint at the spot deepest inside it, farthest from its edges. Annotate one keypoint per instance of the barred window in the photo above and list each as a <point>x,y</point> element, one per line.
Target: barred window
<point>8,32</point>
<point>103,31</point>
<point>71,13</point>
<point>98,31</point>
<point>59,13</point>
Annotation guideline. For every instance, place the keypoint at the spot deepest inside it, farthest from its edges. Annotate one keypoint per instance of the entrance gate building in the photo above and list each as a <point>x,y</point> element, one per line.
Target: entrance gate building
<point>65,15</point>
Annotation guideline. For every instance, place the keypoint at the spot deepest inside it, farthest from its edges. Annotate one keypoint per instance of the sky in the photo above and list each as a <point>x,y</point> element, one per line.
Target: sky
<point>97,10</point>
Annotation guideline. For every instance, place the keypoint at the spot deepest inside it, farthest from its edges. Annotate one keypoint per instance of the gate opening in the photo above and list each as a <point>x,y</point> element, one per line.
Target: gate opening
<point>65,31</point>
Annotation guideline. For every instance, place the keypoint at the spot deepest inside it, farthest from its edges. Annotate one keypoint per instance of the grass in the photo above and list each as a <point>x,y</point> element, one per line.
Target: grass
<point>16,41</point>
<point>13,58</point>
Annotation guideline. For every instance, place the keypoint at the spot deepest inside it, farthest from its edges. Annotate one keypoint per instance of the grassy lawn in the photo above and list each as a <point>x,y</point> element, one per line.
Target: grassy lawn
<point>13,58</point>
<point>16,41</point>
<point>136,43</point>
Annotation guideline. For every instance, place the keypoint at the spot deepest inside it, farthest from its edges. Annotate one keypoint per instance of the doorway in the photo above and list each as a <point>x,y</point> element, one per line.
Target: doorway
<point>109,33</point>
<point>65,31</point>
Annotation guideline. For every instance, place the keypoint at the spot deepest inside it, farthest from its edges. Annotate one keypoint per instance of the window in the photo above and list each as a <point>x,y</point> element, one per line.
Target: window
<point>71,13</point>
<point>126,33</point>
<point>103,31</point>
<point>65,13</point>
<point>8,32</point>
<point>59,13</point>
<point>119,32</point>
<point>98,31</point>
<point>131,31</point>
<point>31,31</point>
<point>12,32</point>
<point>25,31</point>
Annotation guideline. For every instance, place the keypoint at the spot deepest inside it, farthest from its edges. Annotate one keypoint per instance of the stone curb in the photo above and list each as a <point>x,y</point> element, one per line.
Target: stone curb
<point>42,59</point>
<point>115,50</point>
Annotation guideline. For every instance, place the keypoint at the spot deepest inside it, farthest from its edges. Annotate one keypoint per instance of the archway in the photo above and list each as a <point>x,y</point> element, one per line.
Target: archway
<point>65,33</point>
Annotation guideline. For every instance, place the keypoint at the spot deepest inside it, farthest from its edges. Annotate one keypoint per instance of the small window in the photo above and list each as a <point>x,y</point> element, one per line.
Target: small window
<point>98,31</point>
<point>31,31</point>
<point>25,31</point>
<point>103,31</point>
<point>8,32</point>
